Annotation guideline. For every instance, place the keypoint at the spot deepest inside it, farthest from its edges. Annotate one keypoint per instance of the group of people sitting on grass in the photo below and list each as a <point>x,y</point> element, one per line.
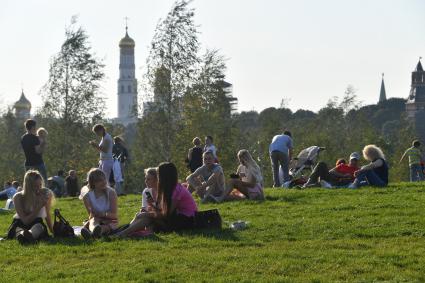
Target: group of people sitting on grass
<point>167,205</point>
<point>350,174</point>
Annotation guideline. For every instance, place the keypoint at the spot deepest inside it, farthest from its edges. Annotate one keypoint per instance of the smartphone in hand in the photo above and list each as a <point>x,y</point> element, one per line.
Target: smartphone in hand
<point>234,176</point>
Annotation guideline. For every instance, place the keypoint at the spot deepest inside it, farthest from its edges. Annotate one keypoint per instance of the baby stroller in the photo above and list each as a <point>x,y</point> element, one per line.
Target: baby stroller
<point>301,165</point>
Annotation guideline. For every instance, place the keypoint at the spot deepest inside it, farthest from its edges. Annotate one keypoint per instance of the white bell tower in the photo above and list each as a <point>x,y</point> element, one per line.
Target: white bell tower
<point>127,83</point>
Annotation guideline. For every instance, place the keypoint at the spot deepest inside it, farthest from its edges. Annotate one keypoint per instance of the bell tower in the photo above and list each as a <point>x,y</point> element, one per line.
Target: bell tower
<point>416,100</point>
<point>127,82</point>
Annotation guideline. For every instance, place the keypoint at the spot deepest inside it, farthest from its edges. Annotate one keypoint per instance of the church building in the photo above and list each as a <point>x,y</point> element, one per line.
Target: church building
<point>416,100</point>
<point>127,83</point>
<point>22,107</point>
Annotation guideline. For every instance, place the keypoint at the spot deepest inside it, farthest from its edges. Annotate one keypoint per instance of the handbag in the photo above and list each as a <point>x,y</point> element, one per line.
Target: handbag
<point>61,227</point>
<point>208,219</point>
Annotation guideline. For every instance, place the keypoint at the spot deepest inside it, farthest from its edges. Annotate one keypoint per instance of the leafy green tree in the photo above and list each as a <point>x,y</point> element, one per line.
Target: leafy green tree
<point>72,101</point>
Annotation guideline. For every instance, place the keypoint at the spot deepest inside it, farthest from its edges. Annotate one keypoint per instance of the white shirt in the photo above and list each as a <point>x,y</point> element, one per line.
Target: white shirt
<point>99,204</point>
<point>106,141</point>
<point>211,148</point>
<point>145,203</point>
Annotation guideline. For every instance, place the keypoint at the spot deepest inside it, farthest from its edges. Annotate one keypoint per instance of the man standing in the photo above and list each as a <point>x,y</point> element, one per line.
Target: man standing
<point>415,160</point>
<point>280,151</point>
<point>33,150</point>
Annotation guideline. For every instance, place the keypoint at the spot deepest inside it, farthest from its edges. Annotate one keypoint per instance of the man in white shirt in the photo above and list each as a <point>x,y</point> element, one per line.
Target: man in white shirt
<point>280,150</point>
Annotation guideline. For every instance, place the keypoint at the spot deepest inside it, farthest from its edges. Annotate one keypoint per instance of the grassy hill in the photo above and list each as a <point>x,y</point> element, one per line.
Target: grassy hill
<point>313,235</point>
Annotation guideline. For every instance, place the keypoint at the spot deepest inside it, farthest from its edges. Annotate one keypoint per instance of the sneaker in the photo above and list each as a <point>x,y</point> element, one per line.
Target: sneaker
<point>352,186</point>
<point>97,231</point>
<point>87,235</point>
<point>287,184</point>
<point>325,184</point>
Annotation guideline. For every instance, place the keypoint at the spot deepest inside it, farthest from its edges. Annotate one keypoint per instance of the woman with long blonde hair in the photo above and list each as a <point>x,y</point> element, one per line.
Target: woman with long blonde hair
<point>375,173</point>
<point>32,204</point>
<point>248,178</point>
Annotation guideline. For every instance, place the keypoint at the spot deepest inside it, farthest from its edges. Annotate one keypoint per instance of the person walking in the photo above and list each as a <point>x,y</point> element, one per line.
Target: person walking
<point>415,160</point>
<point>33,149</point>
<point>280,150</point>
<point>106,161</point>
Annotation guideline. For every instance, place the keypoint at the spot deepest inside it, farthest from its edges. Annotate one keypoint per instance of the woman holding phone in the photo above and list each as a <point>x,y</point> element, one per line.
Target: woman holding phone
<point>248,178</point>
<point>174,209</point>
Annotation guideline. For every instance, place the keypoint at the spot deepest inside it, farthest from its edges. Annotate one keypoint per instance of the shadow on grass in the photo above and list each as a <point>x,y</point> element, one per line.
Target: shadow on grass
<point>226,234</point>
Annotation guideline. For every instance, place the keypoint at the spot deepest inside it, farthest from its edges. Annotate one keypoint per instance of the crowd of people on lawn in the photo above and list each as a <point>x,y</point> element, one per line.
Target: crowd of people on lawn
<point>167,204</point>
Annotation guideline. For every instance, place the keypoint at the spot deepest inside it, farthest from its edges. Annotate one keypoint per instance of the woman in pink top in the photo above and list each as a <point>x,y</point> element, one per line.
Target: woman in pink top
<point>175,208</point>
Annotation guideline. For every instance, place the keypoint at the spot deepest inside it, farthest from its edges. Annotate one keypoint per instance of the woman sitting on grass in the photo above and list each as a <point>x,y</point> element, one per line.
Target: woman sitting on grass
<point>149,197</point>
<point>32,206</point>
<point>373,174</point>
<point>175,209</point>
<point>247,180</point>
<point>101,204</point>
<point>150,193</point>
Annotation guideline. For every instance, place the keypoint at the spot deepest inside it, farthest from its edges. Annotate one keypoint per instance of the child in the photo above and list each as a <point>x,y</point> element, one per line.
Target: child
<point>210,147</point>
<point>415,159</point>
<point>101,204</point>
<point>42,136</point>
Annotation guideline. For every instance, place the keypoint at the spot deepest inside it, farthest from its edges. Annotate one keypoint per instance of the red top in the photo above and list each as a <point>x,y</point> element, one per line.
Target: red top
<point>346,169</point>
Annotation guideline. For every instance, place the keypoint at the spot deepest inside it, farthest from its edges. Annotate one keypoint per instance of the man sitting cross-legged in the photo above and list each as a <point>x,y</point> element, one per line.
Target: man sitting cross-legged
<point>208,180</point>
<point>341,175</point>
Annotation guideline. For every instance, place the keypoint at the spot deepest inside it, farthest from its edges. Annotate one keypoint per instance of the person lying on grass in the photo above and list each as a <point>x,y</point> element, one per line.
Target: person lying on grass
<point>175,209</point>
<point>32,206</point>
<point>101,204</point>
<point>373,174</point>
<point>341,175</point>
<point>208,180</point>
<point>247,180</point>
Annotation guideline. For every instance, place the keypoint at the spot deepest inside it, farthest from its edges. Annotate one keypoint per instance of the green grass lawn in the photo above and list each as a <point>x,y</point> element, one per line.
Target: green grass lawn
<point>312,235</point>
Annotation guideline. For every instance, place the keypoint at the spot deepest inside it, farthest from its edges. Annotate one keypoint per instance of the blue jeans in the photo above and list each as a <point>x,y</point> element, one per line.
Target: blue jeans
<point>279,158</point>
<point>369,178</point>
<point>41,169</point>
<point>416,173</point>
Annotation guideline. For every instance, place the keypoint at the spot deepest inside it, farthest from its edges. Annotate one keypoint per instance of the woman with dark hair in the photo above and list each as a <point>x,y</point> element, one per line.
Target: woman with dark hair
<point>175,209</point>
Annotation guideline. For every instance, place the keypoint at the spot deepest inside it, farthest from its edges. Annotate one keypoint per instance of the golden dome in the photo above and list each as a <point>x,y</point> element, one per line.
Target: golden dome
<point>127,41</point>
<point>23,102</point>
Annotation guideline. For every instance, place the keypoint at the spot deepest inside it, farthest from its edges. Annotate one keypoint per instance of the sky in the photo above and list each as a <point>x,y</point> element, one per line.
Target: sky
<point>302,51</point>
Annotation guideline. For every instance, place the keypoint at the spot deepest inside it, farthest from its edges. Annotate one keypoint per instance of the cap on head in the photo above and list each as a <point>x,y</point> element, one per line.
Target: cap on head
<point>355,155</point>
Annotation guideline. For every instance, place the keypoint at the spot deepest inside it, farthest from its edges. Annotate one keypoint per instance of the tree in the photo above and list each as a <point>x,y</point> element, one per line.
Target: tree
<point>72,92</point>
<point>71,99</point>
<point>171,65</point>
